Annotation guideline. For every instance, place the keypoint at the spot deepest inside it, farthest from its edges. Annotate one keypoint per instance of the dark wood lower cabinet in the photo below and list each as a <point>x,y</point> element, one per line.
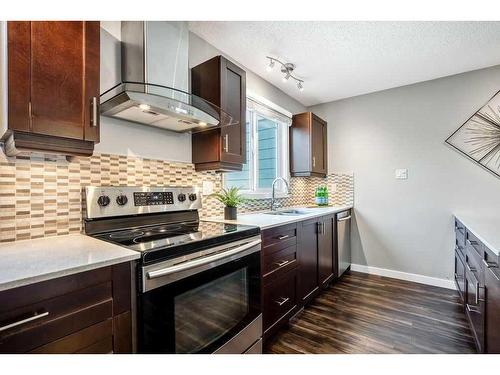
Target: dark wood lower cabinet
<point>477,276</point>
<point>308,260</point>
<point>326,251</point>
<point>89,312</point>
<point>298,261</point>
<point>492,323</point>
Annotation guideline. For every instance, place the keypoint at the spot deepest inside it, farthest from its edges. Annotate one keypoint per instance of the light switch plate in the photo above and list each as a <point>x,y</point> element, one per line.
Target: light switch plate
<point>208,187</point>
<point>401,174</point>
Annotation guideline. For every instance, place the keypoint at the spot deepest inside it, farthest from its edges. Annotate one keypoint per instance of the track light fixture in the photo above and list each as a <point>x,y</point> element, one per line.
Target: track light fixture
<point>287,70</point>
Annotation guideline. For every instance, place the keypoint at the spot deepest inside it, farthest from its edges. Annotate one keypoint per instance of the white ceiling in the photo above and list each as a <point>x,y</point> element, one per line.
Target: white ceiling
<point>343,59</point>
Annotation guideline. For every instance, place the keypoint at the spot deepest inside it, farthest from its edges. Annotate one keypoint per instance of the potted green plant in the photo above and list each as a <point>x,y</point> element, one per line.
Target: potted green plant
<point>231,198</point>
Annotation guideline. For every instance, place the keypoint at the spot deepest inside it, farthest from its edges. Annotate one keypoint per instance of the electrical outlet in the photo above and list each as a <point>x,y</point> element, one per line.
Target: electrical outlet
<point>333,188</point>
<point>401,174</point>
<point>208,187</point>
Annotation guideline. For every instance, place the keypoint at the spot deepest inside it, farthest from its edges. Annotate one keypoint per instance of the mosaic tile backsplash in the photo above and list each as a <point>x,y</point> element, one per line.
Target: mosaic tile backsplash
<point>41,195</point>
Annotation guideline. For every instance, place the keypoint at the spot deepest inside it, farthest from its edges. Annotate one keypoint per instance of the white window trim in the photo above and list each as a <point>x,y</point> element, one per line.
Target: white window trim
<point>283,168</point>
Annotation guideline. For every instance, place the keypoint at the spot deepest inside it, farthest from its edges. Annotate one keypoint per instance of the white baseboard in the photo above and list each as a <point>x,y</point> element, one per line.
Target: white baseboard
<point>443,283</point>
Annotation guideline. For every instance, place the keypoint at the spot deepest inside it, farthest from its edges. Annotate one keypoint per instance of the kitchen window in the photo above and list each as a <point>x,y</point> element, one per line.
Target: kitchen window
<point>266,151</point>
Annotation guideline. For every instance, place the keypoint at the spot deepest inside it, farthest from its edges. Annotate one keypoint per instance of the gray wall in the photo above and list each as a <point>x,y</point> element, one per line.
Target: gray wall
<point>406,225</point>
<point>124,138</point>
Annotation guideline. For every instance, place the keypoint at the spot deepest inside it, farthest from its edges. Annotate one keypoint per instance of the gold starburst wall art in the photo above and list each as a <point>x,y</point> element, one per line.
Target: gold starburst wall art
<point>479,137</point>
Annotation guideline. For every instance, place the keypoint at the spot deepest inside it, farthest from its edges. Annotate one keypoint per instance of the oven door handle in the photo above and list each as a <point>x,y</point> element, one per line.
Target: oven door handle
<point>233,254</point>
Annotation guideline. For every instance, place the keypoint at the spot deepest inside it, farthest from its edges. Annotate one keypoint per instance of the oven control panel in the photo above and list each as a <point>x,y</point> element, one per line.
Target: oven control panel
<point>109,201</point>
<point>153,198</point>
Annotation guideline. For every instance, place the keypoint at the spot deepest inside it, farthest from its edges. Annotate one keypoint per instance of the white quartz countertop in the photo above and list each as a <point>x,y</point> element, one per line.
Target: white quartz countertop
<point>264,221</point>
<point>30,261</point>
<point>486,227</point>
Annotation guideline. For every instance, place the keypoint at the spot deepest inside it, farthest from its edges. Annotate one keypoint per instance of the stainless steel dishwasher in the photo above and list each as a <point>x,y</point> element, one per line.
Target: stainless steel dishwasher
<point>343,241</point>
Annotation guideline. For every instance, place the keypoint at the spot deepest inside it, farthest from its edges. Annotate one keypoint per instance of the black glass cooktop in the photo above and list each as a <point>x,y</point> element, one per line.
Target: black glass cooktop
<point>159,242</point>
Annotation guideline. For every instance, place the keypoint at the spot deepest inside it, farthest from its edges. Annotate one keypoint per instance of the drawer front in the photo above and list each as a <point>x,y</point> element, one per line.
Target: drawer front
<point>472,241</point>
<point>474,262</point>
<point>279,298</point>
<point>460,274</point>
<point>278,238</point>
<point>275,264</point>
<point>96,339</point>
<point>19,340</point>
<point>31,294</point>
<point>35,315</point>
<point>460,237</point>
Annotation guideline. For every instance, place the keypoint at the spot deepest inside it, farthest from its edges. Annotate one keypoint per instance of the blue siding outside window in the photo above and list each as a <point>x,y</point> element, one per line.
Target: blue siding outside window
<point>263,143</point>
<point>267,135</point>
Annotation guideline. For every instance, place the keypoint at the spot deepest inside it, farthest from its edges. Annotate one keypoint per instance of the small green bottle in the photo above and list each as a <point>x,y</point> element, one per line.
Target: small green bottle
<point>326,196</point>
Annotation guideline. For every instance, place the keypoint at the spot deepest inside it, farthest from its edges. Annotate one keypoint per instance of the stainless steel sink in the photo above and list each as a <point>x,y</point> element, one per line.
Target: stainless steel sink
<point>288,212</point>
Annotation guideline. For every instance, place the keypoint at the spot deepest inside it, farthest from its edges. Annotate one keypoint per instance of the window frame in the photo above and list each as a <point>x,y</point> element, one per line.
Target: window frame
<point>282,158</point>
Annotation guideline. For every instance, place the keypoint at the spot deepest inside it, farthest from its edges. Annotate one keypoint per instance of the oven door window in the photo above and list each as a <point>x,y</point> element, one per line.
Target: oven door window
<point>201,313</point>
<point>220,305</point>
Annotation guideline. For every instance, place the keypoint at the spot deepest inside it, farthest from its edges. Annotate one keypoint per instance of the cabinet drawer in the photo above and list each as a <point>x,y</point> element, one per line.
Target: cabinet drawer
<point>277,238</point>
<point>460,236</point>
<point>96,339</point>
<point>39,332</point>
<point>474,261</point>
<point>279,298</point>
<point>38,314</point>
<point>472,241</point>
<point>278,262</point>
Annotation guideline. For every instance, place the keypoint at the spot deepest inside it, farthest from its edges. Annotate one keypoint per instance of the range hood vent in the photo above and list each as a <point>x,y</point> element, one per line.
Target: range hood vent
<point>155,76</point>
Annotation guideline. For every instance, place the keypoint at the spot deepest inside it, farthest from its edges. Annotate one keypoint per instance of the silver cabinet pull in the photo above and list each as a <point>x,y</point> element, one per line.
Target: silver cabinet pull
<point>283,237</point>
<point>95,113</point>
<point>469,268</point>
<point>344,218</point>
<point>489,264</point>
<point>471,308</point>
<point>225,147</point>
<point>23,321</point>
<point>282,263</point>
<point>282,301</point>
<point>202,261</point>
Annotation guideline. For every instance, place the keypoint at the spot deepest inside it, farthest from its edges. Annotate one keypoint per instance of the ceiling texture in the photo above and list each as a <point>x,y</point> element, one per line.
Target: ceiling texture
<point>342,59</point>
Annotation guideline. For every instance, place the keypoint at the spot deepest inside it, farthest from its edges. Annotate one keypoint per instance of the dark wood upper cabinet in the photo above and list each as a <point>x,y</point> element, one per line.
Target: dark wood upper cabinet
<point>53,85</point>
<point>224,84</point>
<point>308,145</point>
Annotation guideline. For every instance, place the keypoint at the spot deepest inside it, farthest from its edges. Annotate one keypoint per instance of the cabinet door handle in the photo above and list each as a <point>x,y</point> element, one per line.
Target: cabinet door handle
<point>471,308</point>
<point>469,268</point>
<point>283,237</point>
<point>314,161</point>
<point>225,146</point>
<point>23,321</point>
<point>489,264</point>
<point>282,263</point>
<point>95,112</point>
<point>282,301</point>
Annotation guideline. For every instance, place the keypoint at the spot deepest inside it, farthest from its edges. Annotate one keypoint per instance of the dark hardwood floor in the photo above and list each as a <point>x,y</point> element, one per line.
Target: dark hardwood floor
<point>372,314</point>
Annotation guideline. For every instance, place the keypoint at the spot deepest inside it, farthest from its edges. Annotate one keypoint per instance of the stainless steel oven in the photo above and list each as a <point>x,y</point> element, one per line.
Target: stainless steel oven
<point>204,302</point>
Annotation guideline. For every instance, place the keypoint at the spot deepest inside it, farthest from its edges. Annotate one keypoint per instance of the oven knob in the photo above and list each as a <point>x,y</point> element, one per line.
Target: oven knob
<point>122,200</point>
<point>181,197</point>
<point>103,200</point>
<point>192,197</point>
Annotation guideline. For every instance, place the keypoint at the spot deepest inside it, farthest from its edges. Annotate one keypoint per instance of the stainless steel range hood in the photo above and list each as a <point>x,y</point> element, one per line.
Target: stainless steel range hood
<point>155,79</point>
